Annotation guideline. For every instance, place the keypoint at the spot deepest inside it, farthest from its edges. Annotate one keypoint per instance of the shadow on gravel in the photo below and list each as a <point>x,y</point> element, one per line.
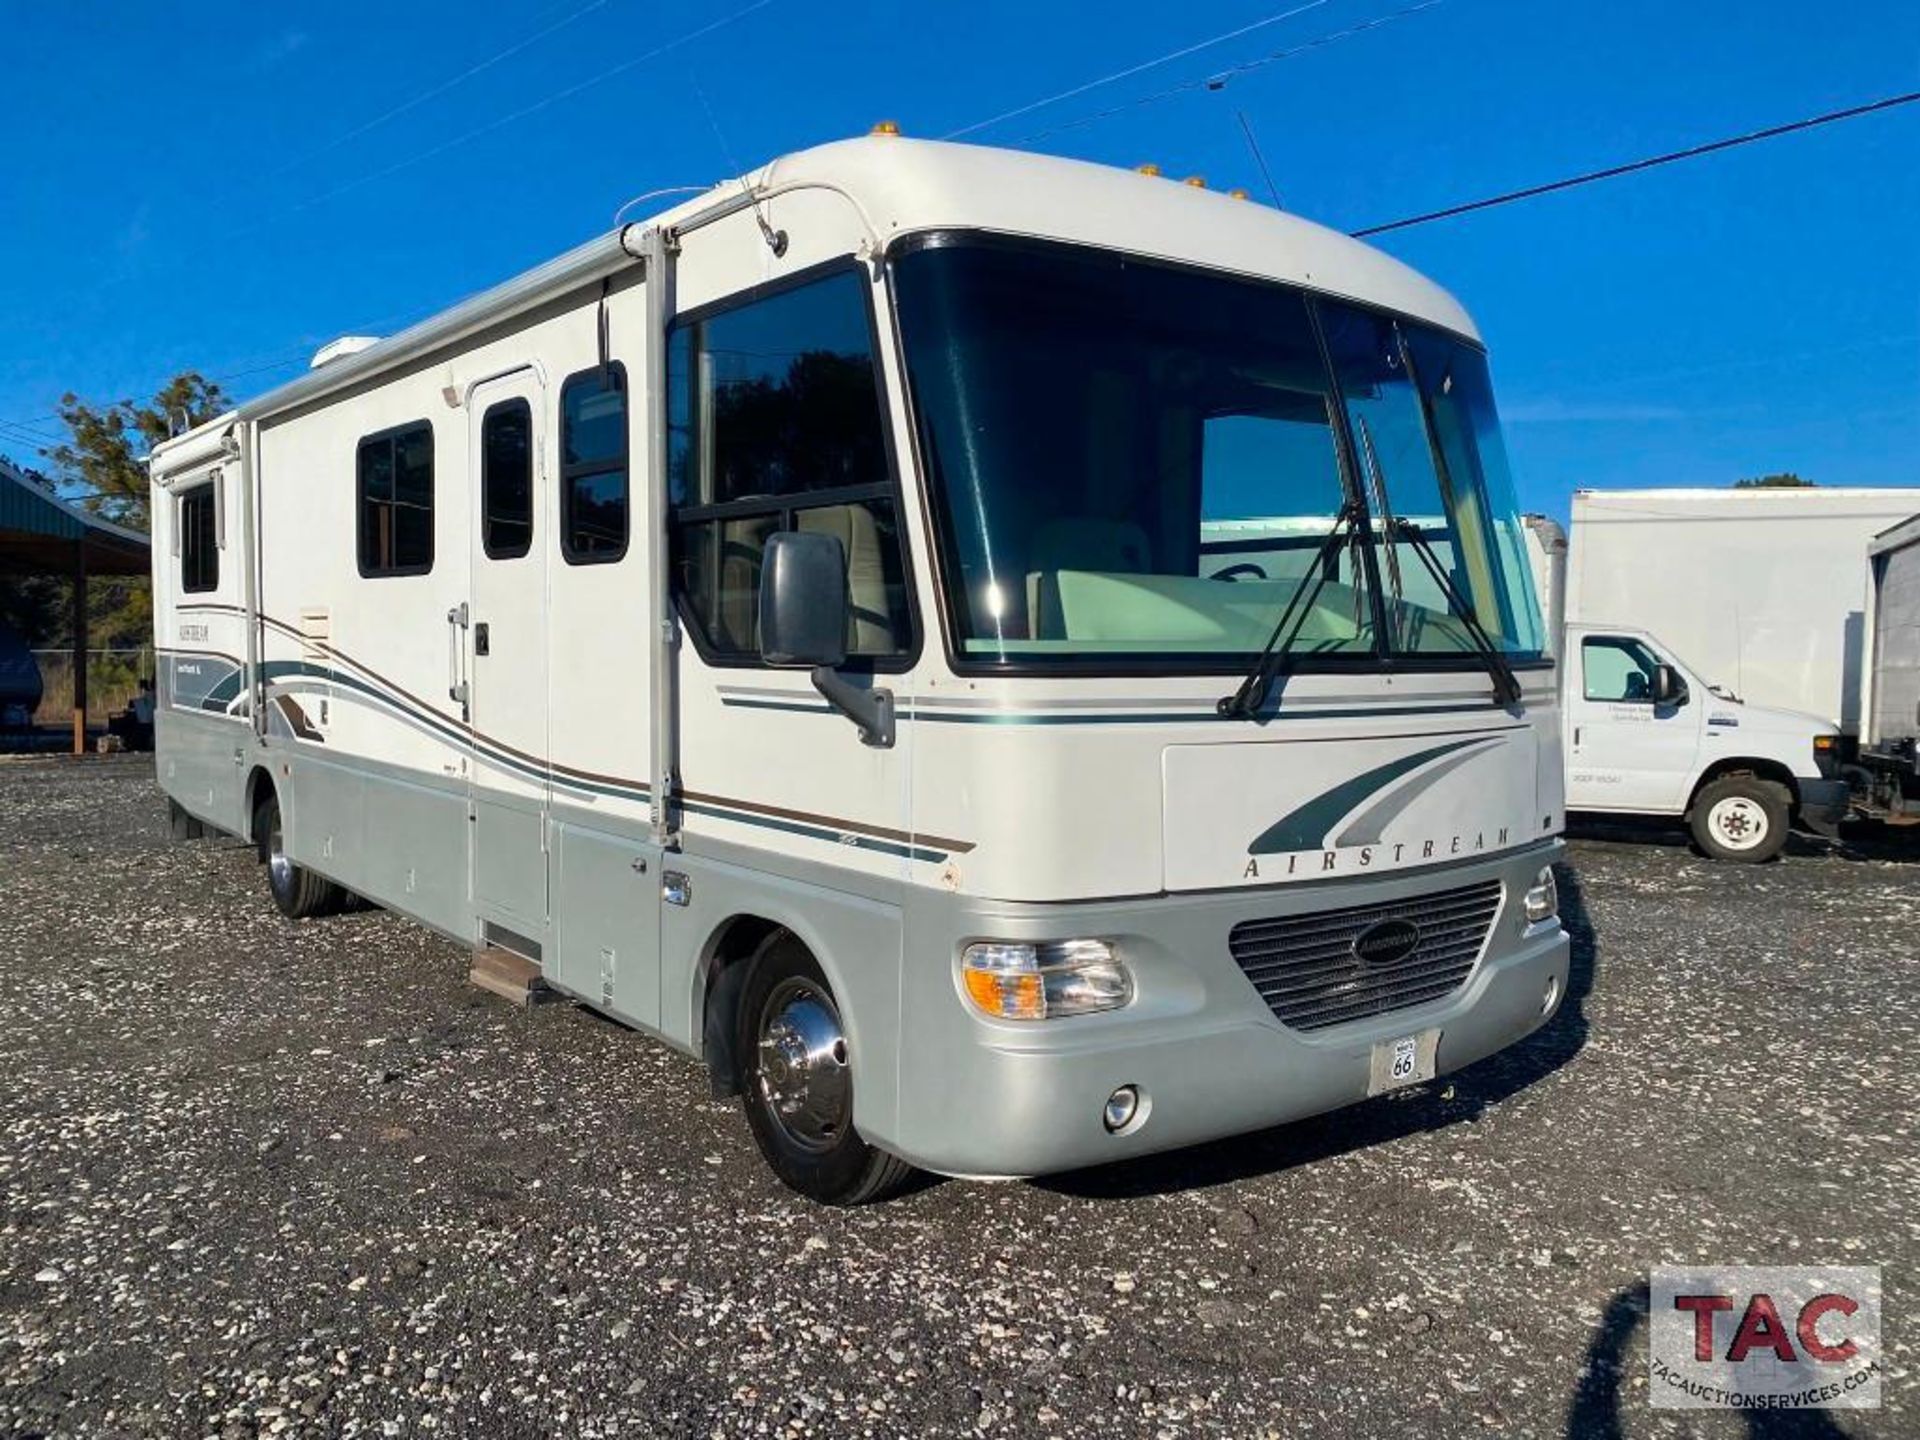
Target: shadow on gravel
<point>1618,1343</point>
<point>1451,1100</point>
<point>1858,840</point>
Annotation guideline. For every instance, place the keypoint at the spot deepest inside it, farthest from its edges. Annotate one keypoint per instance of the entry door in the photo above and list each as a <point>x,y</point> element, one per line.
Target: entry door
<point>507,661</point>
<point>1627,753</point>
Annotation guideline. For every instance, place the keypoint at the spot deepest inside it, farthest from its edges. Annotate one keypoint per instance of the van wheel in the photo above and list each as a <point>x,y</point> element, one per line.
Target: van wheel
<point>797,1081</point>
<point>1741,818</point>
<point>298,892</point>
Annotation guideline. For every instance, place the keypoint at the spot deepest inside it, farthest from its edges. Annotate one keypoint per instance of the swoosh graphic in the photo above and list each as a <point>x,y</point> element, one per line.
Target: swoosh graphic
<point>1306,828</point>
<point>1365,828</point>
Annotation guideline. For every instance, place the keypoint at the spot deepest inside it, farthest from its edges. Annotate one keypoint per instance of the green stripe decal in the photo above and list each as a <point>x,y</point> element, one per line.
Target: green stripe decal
<point>1307,827</point>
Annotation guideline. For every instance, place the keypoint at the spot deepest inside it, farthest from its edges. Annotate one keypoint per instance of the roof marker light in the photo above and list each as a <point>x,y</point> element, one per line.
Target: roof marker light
<point>1147,169</point>
<point>1236,193</point>
<point>886,127</point>
<point>1198,182</point>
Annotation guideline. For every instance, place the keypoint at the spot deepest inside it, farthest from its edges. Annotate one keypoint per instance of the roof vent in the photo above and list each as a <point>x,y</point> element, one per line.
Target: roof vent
<point>339,349</point>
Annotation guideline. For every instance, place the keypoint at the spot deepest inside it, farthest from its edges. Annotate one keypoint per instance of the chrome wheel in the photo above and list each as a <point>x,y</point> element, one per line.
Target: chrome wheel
<point>1738,822</point>
<point>279,866</point>
<point>802,1065</point>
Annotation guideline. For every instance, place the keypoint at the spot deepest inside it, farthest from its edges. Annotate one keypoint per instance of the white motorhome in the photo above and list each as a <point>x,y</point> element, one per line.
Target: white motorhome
<point>792,626</point>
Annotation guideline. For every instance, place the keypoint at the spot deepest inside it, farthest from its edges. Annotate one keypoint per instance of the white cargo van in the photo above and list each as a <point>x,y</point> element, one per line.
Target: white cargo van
<point>1710,647</point>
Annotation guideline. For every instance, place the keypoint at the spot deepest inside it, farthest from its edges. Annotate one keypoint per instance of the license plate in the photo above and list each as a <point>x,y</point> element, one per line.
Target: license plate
<point>1407,1060</point>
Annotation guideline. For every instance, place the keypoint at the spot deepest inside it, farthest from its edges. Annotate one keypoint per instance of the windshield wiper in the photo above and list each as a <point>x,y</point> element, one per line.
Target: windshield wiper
<point>1245,703</point>
<point>1506,684</point>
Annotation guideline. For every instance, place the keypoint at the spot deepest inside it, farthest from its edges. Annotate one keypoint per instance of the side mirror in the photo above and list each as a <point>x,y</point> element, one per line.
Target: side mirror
<point>803,600</point>
<point>1668,687</point>
<point>804,609</point>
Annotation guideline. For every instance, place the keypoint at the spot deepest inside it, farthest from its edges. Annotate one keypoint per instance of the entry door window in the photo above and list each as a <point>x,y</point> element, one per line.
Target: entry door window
<point>506,480</point>
<point>1617,670</point>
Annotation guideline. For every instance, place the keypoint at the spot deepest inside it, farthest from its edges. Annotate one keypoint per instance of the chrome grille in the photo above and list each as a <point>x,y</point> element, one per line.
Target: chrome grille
<point>1305,968</point>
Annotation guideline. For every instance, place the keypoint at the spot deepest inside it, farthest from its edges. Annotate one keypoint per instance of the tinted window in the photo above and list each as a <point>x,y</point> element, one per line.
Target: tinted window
<point>1617,669</point>
<point>776,424</point>
<point>506,479</point>
<point>199,541</point>
<point>593,465</point>
<point>395,472</point>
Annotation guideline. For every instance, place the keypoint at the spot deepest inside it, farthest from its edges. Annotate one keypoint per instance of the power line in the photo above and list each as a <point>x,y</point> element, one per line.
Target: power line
<point>435,91</point>
<point>1633,167</point>
<point>1218,79</point>
<point>522,113</point>
<point>1133,70</point>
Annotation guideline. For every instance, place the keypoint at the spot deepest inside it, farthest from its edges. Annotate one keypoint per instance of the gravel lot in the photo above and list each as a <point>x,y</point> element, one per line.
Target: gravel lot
<point>300,1179</point>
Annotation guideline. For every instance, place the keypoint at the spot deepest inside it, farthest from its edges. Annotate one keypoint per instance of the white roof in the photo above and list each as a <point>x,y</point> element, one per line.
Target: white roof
<point>907,186</point>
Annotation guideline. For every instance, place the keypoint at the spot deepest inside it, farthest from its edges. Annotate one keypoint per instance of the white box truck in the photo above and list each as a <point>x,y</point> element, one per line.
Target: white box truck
<point>1711,645</point>
<point>1887,772</point>
<point>797,626</point>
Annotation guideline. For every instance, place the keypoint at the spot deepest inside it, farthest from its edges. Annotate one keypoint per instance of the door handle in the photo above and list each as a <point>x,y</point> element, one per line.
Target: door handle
<point>1576,737</point>
<point>456,683</point>
<point>482,642</point>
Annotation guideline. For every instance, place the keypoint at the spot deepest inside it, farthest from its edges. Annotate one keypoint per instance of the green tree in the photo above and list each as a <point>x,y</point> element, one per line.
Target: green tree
<point>100,461</point>
<point>1785,480</point>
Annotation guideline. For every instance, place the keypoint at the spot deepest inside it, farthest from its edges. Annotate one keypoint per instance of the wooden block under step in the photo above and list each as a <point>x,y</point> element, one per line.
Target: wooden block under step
<point>510,976</point>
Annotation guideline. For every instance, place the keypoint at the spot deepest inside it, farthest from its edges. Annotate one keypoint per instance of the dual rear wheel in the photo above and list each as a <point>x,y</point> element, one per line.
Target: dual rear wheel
<point>296,890</point>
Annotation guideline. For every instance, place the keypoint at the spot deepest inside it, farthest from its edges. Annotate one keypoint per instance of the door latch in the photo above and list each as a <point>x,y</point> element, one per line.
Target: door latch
<point>482,642</point>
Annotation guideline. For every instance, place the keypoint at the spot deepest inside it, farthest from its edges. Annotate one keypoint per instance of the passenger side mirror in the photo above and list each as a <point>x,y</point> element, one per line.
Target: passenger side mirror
<point>1668,687</point>
<point>803,600</point>
<point>804,610</point>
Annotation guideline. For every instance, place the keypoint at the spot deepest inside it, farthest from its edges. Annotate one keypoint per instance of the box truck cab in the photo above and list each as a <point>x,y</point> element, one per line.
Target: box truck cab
<point>1648,734</point>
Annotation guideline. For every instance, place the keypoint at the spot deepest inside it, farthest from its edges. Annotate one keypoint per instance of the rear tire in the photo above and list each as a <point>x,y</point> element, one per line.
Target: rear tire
<point>797,1079</point>
<point>1741,818</point>
<point>298,892</point>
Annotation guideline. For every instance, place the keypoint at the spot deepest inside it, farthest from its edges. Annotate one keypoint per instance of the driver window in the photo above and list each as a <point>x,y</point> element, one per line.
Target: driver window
<point>1617,670</point>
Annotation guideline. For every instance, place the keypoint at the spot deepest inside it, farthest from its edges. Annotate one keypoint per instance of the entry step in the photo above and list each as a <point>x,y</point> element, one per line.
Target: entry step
<point>512,977</point>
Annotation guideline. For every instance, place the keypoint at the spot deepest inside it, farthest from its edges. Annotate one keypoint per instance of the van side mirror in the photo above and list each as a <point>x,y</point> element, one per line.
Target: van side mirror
<point>1668,687</point>
<point>804,610</point>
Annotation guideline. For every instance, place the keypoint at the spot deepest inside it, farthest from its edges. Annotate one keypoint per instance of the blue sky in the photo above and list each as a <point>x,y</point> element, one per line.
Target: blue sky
<point>225,186</point>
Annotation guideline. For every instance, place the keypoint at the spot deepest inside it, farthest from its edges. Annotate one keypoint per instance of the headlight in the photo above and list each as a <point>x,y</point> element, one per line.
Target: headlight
<point>1542,900</point>
<point>1015,980</point>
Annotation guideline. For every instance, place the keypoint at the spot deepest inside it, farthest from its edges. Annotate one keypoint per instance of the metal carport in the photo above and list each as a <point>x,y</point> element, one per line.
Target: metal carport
<point>41,534</point>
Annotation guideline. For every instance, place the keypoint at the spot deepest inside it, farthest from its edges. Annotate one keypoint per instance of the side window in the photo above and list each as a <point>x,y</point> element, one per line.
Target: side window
<point>593,465</point>
<point>775,423</point>
<point>1616,669</point>
<point>506,480</point>
<point>199,541</point>
<point>395,482</point>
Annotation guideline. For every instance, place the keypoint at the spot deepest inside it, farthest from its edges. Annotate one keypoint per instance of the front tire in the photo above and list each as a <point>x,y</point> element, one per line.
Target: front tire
<point>797,1081</point>
<point>298,892</point>
<point>1741,818</point>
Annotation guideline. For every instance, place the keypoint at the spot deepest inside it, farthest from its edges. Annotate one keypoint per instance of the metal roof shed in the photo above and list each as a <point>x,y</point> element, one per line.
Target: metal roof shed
<point>41,534</point>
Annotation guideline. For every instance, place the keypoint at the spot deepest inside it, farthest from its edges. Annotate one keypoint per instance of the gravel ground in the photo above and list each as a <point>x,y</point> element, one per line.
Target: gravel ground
<point>300,1179</point>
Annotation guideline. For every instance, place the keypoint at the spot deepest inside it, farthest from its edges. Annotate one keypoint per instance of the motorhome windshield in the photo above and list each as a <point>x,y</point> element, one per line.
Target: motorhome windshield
<point>1132,460</point>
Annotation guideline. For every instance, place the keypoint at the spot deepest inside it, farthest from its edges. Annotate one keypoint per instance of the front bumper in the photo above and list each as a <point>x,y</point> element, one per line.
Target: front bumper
<point>989,1098</point>
<point>1823,804</point>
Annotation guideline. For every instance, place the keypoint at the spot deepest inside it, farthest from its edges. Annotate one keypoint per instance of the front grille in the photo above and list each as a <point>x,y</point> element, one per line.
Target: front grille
<point>1305,968</point>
